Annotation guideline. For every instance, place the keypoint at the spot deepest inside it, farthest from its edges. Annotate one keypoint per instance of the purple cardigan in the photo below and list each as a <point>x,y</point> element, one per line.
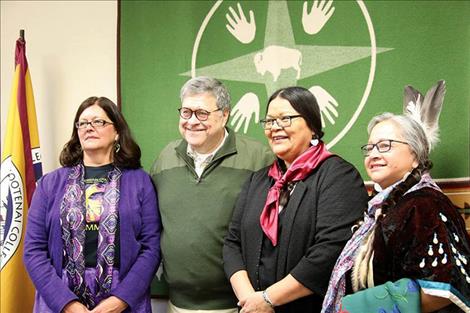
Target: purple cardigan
<point>140,228</point>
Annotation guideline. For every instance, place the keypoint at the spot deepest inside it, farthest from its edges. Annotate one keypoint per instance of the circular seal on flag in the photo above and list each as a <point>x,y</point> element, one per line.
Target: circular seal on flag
<point>11,210</point>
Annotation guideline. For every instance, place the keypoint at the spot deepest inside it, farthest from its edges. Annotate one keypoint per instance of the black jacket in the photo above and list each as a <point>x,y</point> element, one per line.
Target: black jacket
<point>317,224</point>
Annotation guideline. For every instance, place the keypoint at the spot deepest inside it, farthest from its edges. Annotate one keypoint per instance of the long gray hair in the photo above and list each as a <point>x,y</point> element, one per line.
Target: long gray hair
<point>411,131</point>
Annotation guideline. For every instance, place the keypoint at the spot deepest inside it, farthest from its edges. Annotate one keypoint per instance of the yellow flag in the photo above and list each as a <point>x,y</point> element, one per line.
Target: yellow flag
<point>20,169</point>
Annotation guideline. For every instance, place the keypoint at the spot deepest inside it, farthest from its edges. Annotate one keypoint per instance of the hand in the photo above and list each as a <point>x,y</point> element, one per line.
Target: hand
<point>254,303</point>
<point>75,307</point>
<point>326,103</point>
<point>110,305</point>
<point>314,21</point>
<point>239,27</point>
<point>244,109</point>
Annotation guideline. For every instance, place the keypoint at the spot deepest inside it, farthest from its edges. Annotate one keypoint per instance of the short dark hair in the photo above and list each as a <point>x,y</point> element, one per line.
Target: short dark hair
<point>304,102</point>
<point>128,155</point>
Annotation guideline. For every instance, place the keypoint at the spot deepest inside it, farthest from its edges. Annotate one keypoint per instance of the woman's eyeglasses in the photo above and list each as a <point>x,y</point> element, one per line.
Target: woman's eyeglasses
<point>382,146</point>
<point>284,121</point>
<point>96,123</point>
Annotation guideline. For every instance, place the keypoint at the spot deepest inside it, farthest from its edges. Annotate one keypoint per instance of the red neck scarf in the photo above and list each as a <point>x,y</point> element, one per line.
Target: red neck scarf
<point>298,170</point>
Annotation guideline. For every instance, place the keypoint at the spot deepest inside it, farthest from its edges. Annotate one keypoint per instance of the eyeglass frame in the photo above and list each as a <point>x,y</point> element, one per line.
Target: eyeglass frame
<point>195,112</point>
<point>86,123</point>
<point>367,153</point>
<point>289,118</point>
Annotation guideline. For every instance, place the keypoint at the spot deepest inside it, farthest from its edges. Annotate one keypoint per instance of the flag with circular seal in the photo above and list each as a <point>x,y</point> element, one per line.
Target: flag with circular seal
<point>20,169</point>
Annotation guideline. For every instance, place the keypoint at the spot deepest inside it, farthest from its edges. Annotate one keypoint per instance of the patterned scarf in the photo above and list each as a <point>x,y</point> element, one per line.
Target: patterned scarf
<point>299,169</point>
<point>337,284</point>
<point>72,218</point>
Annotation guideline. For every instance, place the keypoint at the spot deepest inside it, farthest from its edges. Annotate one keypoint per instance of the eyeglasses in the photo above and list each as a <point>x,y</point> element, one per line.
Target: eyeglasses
<point>382,146</point>
<point>96,123</point>
<point>201,115</point>
<point>284,121</point>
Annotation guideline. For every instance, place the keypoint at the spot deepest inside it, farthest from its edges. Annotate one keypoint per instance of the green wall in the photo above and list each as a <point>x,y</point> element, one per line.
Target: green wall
<point>418,43</point>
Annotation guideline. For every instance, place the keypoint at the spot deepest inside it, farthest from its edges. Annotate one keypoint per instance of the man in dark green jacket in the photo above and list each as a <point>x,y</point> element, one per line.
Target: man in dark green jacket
<point>198,179</point>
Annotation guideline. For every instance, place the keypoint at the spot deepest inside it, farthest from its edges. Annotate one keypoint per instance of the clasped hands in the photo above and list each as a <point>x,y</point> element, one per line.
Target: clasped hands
<point>254,303</point>
<point>111,304</point>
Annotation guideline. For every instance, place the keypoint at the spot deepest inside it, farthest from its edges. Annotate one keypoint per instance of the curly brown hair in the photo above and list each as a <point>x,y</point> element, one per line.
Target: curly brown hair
<point>128,155</point>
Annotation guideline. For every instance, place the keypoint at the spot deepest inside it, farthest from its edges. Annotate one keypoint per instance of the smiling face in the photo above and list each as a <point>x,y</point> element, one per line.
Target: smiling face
<point>205,136</point>
<point>387,168</point>
<point>291,141</point>
<point>97,143</point>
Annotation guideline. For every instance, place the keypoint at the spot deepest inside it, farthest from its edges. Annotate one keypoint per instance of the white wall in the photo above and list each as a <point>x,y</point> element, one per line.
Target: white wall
<point>71,51</point>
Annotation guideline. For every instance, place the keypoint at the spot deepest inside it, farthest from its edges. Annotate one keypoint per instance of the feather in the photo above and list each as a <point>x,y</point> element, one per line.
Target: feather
<point>431,109</point>
<point>411,95</point>
<point>425,110</point>
<point>413,109</point>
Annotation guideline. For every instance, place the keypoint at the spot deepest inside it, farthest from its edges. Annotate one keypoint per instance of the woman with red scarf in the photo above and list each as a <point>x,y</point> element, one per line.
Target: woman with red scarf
<point>292,218</point>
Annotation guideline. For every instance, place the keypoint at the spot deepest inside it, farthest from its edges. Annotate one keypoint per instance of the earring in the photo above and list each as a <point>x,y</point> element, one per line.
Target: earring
<point>314,142</point>
<point>377,187</point>
<point>117,147</point>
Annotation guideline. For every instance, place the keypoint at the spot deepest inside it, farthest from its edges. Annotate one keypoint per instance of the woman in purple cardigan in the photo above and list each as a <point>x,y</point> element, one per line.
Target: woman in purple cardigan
<point>93,234</point>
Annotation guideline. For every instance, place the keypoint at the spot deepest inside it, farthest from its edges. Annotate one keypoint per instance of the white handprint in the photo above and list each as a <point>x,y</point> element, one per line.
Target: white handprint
<point>239,27</point>
<point>243,111</point>
<point>314,21</point>
<point>327,104</point>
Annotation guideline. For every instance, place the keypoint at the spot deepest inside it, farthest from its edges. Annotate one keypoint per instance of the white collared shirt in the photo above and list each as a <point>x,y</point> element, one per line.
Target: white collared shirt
<point>201,160</point>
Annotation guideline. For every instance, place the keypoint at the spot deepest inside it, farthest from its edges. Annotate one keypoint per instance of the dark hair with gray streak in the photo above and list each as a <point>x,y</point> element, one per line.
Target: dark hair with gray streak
<point>203,84</point>
<point>411,131</point>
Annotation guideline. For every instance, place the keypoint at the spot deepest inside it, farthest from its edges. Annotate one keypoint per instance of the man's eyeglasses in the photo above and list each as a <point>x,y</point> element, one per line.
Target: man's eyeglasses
<point>382,146</point>
<point>96,123</point>
<point>284,121</point>
<point>201,115</point>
